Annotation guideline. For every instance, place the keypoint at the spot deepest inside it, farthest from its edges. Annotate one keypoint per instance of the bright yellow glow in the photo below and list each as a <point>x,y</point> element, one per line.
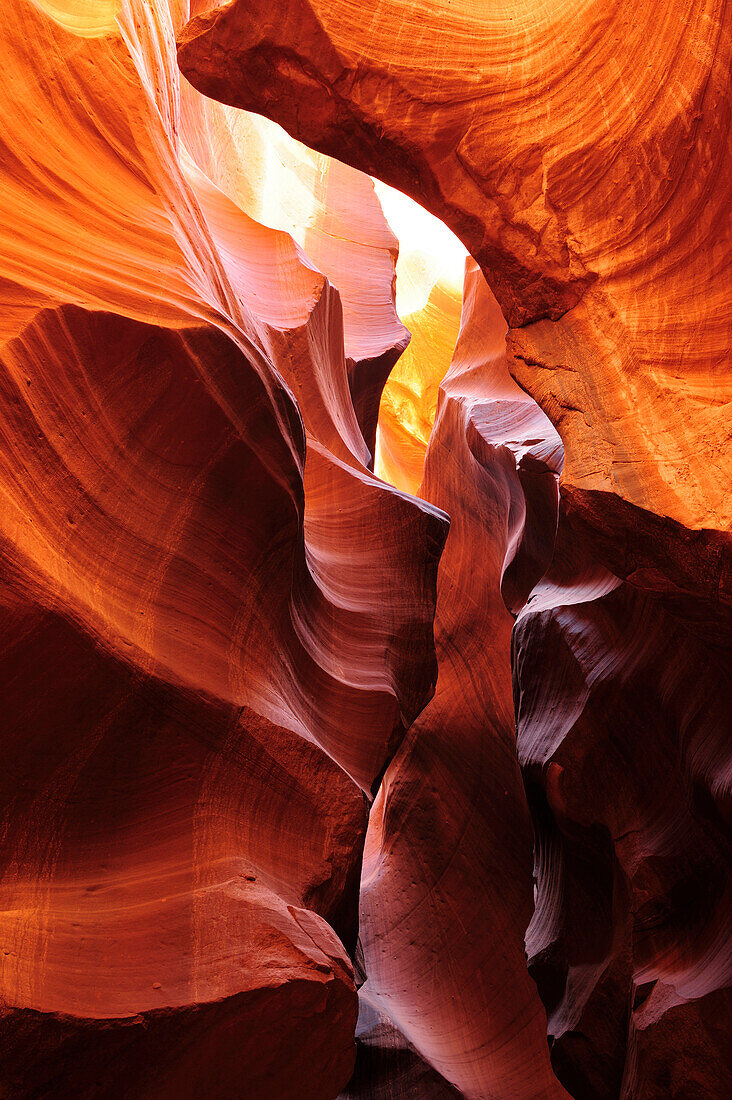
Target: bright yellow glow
<point>84,18</point>
<point>429,291</point>
<point>429,252</point>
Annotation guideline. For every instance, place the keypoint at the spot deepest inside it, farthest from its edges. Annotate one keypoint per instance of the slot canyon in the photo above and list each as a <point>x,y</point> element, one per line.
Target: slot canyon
<point>365,512</point>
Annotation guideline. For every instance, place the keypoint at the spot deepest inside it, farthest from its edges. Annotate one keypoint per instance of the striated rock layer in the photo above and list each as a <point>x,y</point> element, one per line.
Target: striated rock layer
<point>621,708</point>
<point>626,758</point>
<point>210,648</point>
<point>446,893</point>
<point>582,156</point>
<point>270,731</point>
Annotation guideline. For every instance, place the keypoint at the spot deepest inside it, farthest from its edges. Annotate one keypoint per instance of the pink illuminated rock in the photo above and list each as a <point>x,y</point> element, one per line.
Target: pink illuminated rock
<point>206,662</point>
<point>582,155</point>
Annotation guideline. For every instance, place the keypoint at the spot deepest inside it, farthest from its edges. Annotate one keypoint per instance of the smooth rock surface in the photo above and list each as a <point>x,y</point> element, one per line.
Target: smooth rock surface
<point>365,703</point>
<point>206,662</point>
<point>581,153</point>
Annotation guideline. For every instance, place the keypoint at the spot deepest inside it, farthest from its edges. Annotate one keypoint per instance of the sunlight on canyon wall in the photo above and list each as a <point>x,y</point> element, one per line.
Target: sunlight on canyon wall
<point>365,550</point>
<point>429,286</point>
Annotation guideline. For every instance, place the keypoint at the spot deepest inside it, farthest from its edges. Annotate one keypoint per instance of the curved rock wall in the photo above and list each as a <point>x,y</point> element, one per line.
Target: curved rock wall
<point>581,154</point>
<point>583,158</point>
<point>317,784</point>
<point>211,650</point>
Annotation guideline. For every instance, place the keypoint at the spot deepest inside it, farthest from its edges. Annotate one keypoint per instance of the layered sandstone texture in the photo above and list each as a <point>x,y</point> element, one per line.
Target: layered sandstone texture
<point>366,702</point>
<point>581,154</point>
<point>210,648</point>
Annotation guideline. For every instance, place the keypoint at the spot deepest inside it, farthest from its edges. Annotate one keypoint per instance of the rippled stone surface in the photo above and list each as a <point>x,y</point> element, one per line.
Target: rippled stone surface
<point>583,158</point>
<point>581,154</point>
<point>320,782</point>
<point>217,623</point>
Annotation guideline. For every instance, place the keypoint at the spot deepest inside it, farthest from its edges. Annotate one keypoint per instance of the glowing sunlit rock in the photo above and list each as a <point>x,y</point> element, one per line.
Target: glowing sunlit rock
<point>429,292</point>
<point>581,154</point>
<point>274,728</point>
<point>206,660</point>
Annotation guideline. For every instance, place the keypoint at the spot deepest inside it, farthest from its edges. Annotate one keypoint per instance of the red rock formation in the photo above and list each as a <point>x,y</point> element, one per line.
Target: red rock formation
<point>158,926</point>
<point>582,158</point>
<point>205,657</point>
<point>331,211</point>
<point>621,710</point>
<point>223,635</point>
<point>447,886</point>
<point>622,746</point>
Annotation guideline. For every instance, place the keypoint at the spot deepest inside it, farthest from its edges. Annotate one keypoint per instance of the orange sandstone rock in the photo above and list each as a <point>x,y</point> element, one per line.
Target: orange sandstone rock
<point>206,663</point>
<point>447,884</point>
<point>218,639</point>
<point>582,157</point>
<point>409,401</point>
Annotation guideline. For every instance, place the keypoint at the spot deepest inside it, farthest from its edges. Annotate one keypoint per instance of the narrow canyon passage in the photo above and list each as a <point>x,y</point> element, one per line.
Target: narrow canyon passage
<point>365,541</point>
